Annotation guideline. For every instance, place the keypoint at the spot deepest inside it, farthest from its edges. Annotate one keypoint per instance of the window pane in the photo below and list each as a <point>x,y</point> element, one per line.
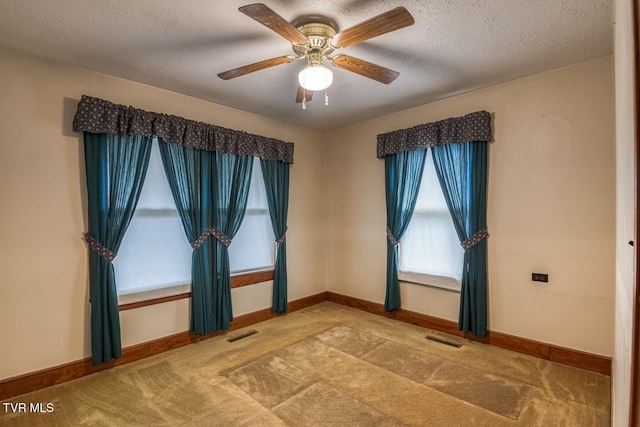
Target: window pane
<point>257,194</point>
<point>155,252</point>
<point>431,244</point>
<point>156,193</point>
<point>253,245</point>
<point>430,196</point>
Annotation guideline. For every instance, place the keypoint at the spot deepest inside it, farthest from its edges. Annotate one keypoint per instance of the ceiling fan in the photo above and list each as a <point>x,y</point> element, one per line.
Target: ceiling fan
<point>316,40</point>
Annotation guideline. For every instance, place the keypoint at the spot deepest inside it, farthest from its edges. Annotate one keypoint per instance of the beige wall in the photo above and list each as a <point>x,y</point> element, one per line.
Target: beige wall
<point>626,205</point>
<point>551,207</point>
<point>44,311</point>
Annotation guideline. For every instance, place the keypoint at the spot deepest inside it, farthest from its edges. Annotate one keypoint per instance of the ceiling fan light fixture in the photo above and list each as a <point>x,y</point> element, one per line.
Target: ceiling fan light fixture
<point>315,77</point>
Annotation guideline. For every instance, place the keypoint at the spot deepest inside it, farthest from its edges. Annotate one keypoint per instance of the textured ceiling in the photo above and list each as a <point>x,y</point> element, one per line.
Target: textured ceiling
<point>454,46</point>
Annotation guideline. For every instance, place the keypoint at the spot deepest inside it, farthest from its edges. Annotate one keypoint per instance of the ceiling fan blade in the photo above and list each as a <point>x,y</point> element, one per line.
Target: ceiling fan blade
<point>241,71</point>
<point>365,68</point>
<point>270,19</point>
<point>303,93</point>
<point>381,24</point>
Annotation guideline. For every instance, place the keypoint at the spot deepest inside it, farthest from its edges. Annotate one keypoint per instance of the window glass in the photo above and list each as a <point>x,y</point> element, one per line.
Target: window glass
<point>155,252</point>
<point>253,245</point>
<point>431,245</point>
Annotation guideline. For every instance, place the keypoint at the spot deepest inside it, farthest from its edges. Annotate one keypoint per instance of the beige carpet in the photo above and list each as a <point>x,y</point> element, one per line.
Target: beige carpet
<point>329,365</point>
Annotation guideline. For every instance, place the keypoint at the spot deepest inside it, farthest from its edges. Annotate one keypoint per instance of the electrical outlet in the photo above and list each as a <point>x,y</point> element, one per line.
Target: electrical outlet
<point>540,277</point>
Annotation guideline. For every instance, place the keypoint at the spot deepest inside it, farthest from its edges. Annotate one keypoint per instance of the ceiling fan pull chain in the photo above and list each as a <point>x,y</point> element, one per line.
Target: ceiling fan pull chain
<point>304,96</point>
<point>326,90</point>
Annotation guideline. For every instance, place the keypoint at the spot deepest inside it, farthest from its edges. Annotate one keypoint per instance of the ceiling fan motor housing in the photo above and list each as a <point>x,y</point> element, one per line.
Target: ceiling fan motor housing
<point>317,46</point>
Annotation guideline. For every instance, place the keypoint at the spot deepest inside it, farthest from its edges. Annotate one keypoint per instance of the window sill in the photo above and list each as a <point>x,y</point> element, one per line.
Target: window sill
<point>173,293</point>
<point>251,278</point>
<point>448,284</point>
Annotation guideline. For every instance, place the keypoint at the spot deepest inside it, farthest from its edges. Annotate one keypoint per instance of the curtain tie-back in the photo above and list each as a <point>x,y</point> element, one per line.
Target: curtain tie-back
<point>475,239</point>
<point>213,232</point>
<point>392,238</point>
<point>220,236</point>
<point>281,239</point>
<point>200,240</point>
<point>99,248</point>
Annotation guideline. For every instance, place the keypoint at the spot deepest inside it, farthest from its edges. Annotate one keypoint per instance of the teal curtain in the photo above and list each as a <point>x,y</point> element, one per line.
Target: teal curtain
<point>115,170</point>
<point>403,172</point>
<point>462,172</point>
<point>231,179</point>
<point>276,181</point>
<point>189,173</point>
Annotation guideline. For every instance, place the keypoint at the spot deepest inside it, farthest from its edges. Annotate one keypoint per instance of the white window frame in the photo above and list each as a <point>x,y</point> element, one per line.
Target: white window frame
<point>258,269</point>
<point>151,292</point>
<point>432,280</point>
<point>257,212</point>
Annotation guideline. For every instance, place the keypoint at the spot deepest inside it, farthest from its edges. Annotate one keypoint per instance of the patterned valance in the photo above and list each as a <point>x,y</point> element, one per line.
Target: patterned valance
<point>471,127</point>
<point>99,116</point>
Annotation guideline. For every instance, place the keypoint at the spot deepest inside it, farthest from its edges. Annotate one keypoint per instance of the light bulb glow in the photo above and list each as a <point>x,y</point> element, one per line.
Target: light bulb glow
<point>315,77</point>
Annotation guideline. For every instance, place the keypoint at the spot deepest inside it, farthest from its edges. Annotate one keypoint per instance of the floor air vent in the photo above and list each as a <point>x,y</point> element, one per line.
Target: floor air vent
<point>241,336</point>
<point>443,341</point>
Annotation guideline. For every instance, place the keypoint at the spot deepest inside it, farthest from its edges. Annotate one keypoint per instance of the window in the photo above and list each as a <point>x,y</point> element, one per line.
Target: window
<point>253,247</point>
<point>155,253</point>
<point>430,252</point>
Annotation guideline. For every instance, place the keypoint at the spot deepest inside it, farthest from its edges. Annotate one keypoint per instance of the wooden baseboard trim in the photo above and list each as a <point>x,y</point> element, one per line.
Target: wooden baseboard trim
<point>565,356</point>
<point>33,381</point>
<point>26,383</point>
